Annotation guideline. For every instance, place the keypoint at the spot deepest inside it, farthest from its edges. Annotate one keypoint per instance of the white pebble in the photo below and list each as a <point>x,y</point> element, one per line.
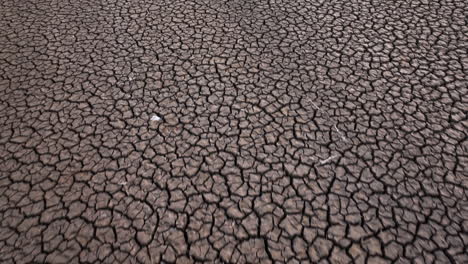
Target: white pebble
<point>155,118</point>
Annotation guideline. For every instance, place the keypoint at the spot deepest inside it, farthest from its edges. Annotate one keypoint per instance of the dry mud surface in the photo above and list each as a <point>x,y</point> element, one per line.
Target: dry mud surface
<point>233,131</point>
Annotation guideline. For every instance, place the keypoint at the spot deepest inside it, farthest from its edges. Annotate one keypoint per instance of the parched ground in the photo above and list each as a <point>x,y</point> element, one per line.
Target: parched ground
<point>242,131</point>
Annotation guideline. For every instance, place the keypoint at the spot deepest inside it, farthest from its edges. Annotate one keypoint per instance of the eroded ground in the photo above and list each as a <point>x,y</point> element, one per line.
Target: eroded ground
<point>289,131</point>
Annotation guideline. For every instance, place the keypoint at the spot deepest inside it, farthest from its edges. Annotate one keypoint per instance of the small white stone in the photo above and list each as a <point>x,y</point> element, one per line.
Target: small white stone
<point>155,118</point>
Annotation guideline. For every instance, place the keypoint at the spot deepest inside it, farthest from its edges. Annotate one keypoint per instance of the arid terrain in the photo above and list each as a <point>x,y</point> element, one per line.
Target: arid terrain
<point>242,131</point>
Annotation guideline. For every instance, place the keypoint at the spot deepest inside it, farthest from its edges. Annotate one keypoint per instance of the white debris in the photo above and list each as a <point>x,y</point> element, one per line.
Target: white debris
<point>316,106</point>
<point>123,183</point>
<point>155,118</point>
<point>312,103</point>
<point>325,161</point>
<point>341,134</point>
